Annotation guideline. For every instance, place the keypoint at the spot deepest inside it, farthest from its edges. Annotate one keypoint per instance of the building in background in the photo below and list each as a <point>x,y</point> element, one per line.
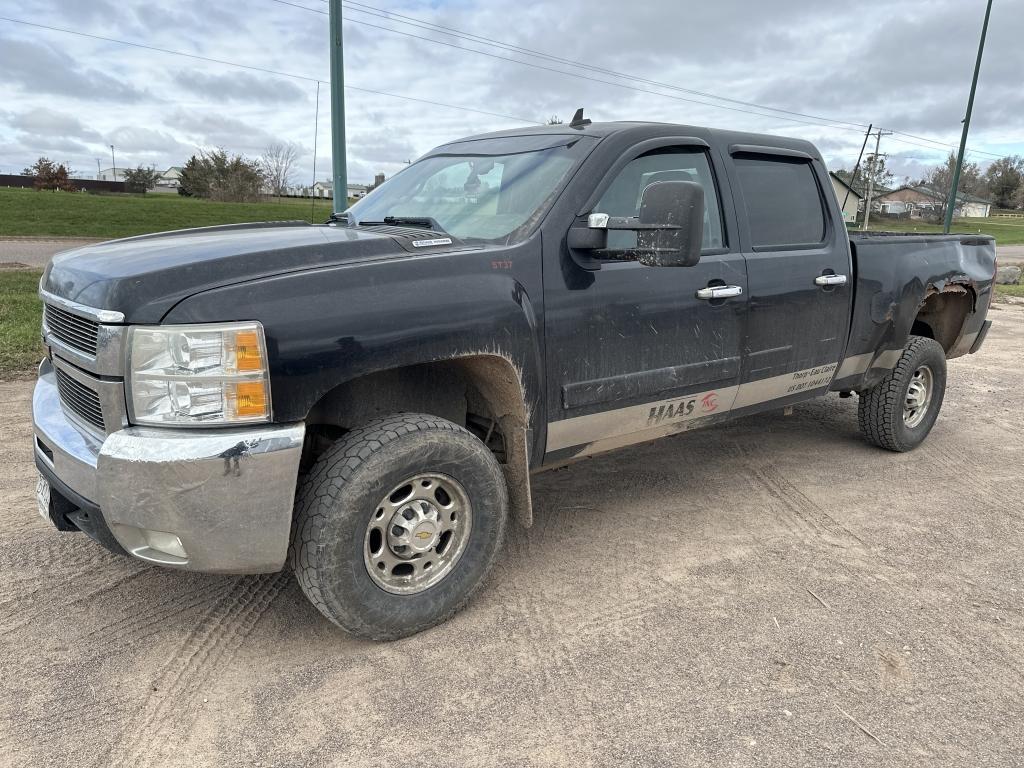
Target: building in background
<point>170,178</point>
<point>111,174</point>
<point>920,199</point>
<point>852,198</point>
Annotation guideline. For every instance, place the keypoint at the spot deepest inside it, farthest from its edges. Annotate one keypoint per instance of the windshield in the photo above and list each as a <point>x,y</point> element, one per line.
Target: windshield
<point>494,190</point>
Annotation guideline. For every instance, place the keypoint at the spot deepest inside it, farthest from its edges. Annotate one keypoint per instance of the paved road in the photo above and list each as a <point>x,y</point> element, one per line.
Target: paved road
<point>736,597</point>
<point>34,252</point>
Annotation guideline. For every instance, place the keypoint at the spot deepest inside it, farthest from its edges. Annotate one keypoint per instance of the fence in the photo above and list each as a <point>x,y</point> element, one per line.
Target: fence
<point>89,185</point>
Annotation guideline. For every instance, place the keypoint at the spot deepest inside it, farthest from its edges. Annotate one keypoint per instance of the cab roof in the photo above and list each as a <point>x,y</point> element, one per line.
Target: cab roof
<point>639,130</point>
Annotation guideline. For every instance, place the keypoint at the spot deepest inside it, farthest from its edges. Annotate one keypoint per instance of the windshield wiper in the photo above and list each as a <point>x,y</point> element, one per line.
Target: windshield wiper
<point>406,221</point>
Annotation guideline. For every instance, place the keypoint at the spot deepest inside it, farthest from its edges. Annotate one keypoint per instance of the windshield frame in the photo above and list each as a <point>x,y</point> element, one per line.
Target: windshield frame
<point>497,147</point>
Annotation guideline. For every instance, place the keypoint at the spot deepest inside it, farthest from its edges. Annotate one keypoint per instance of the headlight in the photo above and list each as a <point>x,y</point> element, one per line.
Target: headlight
<point>198,374</point>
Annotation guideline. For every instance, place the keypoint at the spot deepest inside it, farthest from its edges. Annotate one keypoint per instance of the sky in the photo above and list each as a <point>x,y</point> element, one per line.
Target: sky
<point>905,66</point>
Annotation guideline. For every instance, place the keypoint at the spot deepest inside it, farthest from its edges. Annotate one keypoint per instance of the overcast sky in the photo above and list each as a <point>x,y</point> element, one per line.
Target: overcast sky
<point>904,65</point>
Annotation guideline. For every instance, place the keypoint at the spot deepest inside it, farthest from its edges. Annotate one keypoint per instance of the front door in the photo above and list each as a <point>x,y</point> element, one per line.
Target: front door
<point>633,352</point>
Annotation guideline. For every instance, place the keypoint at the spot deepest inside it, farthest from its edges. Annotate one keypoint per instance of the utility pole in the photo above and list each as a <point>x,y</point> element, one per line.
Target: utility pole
<point>951,203</point>
<point>871,178</point>
<point>338,110</point>
<point>856,170</point>
<point>113,162</point>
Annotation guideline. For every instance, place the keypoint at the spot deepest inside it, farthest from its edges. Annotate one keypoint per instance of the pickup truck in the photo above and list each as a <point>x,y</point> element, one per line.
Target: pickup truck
<point>365,400</point>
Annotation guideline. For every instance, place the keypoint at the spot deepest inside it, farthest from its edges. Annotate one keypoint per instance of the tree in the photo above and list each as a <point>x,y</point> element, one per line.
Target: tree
<point>1003,179</point>
<point>140,179</point>
<point>277,162</point>
<point>219,176</point>
<point>941,178</point>
<point>1018,197</point>
<point>554,120</point>
<point>50,175</point>
<point>882,175</point>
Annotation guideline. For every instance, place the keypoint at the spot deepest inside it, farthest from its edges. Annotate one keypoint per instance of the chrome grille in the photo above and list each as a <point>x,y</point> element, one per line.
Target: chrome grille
<point>80,400</point>
<point>77,332</point>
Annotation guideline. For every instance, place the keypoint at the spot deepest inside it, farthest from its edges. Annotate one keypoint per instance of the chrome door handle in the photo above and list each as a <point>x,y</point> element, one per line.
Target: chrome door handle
<point>830,280</point>
<point>720,292</point>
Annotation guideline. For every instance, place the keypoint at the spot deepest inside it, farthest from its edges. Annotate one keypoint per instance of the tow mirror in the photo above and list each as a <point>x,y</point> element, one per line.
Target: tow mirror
<point>669,229</point>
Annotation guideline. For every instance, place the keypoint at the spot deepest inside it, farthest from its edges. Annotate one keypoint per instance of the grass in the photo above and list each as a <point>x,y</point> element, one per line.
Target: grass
<point>20,315</point>
<point>1005,231</point>
<point>26,212</point>
<point>1010,290</point>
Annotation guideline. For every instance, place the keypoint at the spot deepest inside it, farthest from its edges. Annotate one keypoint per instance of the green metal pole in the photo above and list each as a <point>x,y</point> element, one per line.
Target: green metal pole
<point>338,111</point>
<point>951,204</point>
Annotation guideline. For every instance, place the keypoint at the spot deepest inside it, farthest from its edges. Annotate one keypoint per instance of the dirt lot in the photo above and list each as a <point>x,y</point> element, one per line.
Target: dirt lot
<point>744,596</point>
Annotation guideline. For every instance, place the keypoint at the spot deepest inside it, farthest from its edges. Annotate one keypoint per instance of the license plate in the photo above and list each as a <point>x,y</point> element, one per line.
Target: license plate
<point>43,498</point>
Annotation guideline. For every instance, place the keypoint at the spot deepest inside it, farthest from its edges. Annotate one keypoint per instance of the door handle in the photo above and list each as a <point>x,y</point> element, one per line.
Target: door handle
<point>830,280</point>
<point>719,292</point>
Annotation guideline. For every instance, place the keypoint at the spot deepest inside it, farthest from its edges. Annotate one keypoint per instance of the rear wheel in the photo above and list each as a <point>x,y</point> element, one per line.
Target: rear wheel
<point>397,524</point>
<point>898,413</point>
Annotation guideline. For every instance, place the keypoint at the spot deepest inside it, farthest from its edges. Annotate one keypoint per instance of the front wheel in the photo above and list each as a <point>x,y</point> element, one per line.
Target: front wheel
<point>397,524</point>
<point>898,413</point>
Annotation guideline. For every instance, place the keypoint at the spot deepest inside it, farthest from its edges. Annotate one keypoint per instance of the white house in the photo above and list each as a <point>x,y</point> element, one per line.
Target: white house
<point>111,174</point>
<point>170,178</point>
<point>848,197</point>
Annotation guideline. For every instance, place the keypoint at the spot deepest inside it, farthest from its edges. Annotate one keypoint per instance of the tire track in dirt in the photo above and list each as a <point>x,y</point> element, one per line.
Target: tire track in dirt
<point>172,706</point>
<point>795,511</point>
<point>808,518</point>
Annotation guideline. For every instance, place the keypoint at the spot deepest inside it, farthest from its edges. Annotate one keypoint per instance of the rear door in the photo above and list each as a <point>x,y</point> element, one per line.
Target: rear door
<point>633,352</point>
<point>799,276</point>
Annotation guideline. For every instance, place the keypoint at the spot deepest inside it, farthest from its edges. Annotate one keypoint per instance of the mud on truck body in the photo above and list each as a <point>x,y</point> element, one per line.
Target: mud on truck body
<point>364,401</point>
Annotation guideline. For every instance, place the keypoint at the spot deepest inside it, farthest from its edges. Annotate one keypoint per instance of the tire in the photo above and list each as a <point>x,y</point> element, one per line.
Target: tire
<point>882,410</point>
<point>350,486</point>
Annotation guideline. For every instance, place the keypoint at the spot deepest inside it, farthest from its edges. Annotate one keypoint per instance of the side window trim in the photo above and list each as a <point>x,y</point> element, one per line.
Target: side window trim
<point>729,238</point>
<point>632,154</point>
<point>770,154</point>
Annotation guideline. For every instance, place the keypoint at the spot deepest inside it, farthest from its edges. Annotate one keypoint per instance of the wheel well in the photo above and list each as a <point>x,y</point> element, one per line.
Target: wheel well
<point>483,393</point>
<point>942,315</point>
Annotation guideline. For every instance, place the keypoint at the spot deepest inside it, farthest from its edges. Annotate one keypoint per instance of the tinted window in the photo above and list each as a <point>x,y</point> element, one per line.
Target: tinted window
<point>623,197</point>
<point>783,203</point>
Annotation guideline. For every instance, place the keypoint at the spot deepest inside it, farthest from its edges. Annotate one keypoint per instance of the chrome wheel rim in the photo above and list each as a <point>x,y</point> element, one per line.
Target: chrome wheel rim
<point>417,533</point>
<point>919,396</point>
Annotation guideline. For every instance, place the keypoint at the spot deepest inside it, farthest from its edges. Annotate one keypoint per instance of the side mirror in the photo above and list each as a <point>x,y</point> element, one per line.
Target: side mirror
<point>669,229</point>
<point>673,212</point>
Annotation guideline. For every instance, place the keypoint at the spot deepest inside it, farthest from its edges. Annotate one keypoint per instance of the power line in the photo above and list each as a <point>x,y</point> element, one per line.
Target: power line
<point>571,74</point>
<point>276,72</point>
<point>472,37</point>
<point>399,18</point>
<point>307,78</point>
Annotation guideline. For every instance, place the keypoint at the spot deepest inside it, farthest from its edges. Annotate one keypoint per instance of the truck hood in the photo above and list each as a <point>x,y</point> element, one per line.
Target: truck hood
<point>144,277</point>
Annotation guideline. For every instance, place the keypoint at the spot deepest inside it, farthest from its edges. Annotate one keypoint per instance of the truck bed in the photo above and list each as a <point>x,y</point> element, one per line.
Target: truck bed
<point>896,272</point>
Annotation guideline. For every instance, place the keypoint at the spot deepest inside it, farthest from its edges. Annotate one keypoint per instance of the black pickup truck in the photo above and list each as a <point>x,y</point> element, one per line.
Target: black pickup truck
<point>365,400</point>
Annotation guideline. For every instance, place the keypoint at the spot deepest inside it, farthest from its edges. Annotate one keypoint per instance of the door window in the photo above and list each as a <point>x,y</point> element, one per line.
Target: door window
<point>783,202</point>
<point>623,197</point>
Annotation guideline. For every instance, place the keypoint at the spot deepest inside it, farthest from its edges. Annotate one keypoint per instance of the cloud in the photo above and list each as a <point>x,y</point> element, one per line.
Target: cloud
<point>905,66</point>
<point>241,86</point>
<point>41,122</point>
<point>37,68</point>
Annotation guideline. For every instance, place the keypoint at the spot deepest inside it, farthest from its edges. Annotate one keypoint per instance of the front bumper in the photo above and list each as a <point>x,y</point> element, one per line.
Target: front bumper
<point>214,500</point>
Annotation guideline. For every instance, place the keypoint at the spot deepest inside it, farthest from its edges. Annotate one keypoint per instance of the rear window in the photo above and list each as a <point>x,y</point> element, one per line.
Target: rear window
<point>783,202</point>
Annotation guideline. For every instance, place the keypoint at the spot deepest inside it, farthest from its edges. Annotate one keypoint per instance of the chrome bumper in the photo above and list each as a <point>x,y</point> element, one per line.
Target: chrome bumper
<point>209,500</point>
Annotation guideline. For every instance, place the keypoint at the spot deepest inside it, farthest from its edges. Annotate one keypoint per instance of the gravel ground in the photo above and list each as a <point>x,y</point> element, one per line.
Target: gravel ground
<point>771,593</point>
